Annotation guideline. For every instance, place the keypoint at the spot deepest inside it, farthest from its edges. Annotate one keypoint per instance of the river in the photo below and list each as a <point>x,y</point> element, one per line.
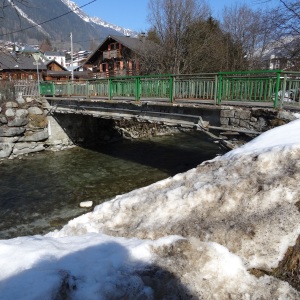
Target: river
<point>42,191</point>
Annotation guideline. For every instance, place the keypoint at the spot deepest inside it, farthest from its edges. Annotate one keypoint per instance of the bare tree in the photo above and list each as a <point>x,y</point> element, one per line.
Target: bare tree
<point>170,20</point>
<point>251,29</point>
<point>285,25</point>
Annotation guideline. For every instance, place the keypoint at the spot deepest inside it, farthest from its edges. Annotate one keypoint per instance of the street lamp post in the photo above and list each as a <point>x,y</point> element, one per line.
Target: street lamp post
<point>36,57</point>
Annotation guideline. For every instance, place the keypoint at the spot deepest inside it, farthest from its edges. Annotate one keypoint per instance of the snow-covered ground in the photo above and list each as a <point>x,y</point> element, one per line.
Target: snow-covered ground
<point>192,236</point>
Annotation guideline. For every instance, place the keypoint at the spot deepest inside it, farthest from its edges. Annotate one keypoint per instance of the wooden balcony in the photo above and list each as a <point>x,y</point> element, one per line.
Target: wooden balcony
<point>109,54</point>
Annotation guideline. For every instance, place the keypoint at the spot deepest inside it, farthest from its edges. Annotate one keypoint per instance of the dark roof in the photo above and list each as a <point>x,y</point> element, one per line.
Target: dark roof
<point>134,44</point>
<point>81,74</point>
<point>13,61</point>
<point>129,42</point>
<point>55,62</point>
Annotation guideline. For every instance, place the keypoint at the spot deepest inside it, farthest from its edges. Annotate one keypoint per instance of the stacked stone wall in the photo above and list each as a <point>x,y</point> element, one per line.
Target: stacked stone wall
<point>23,127</point>
<point>258,119</point>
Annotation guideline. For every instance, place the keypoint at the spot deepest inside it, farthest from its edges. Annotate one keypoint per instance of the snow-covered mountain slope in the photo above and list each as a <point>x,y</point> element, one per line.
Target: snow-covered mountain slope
<point>32,22</point>
<point>74,7</point>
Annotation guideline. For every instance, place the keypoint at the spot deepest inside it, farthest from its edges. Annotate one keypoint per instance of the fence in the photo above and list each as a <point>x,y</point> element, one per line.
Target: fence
<point>274,86</point>
<point>9,89</point>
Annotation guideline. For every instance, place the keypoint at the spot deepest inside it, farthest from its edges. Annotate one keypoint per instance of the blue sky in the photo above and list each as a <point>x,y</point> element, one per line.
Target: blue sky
<point>132,14</point>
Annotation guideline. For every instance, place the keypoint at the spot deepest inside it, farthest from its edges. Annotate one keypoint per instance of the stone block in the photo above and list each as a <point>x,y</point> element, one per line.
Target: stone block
<point>10,112</point>
<point>13,139</point>
<point>234,122</point>
<point>21,112</point>
<point>17,122</point>
<point>5,149</point>
<point>29,99</point>
<point>243,114</point>
<point>11,104</point>
<point>227,113</point>
<point>36,136</point>
<point>224,121</point>
<point>35,110</point>
<point>11,131</point>
<point>3,119</point>
<point>20,98</point>
<point>244,124</point>
<point>25,148</point>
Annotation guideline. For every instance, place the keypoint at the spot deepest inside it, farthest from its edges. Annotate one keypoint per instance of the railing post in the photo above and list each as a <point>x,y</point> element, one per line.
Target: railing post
<point>137,88</point>
<point>216,89</point>
<point>283,90</point>
<point>87,85</point>
<point>220,86</point>
<point>171,88</point>
<point>110,91</point>
<point>52,89</point>
<point>69,89</point>
<point>277,88</point>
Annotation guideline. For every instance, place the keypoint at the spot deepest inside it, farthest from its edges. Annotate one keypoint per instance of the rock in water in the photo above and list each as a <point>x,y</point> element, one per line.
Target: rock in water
<point>86,204</point>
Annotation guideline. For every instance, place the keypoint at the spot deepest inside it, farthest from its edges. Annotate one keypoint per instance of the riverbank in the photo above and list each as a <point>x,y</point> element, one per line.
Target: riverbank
<point>201,234</point>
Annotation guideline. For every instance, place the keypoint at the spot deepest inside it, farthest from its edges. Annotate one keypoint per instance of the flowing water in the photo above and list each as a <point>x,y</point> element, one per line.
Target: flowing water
<point>41,192</point>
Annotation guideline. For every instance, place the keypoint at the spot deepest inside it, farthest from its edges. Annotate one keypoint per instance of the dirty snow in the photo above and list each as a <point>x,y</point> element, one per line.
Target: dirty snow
<point>192,236</point>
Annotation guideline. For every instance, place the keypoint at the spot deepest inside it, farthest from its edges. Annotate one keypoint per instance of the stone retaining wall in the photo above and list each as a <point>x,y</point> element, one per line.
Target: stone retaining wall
<point>23,127</point>
<point>258,119</point>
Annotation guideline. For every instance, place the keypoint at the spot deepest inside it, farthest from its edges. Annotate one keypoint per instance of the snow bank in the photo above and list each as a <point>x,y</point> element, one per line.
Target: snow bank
<point>191,236</point>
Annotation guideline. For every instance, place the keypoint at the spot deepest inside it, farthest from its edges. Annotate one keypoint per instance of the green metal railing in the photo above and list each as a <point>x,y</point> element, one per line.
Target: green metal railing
<point>274,86</point>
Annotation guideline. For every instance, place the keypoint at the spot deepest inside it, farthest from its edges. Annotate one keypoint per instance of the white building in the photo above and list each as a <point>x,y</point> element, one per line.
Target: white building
<point>59,57</point>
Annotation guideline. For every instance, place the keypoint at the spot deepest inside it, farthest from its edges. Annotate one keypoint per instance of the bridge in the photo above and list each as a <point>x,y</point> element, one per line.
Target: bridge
<point>206,101</point>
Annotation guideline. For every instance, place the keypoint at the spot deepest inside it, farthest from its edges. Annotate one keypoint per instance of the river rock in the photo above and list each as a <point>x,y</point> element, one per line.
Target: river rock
<point>11,104</point>
<point>29,99</point>
<point>17,122</point>
<point>20,98</point>
<point>25,148</point>
<point>10,140</point>
<point>5,149</point>
<point>86,204</point>
<point>10,112</point>
<point>20,118</point>
<point>36,136</point>
<point>3,119</point>
<point>11,131</point>
<point>35,110</point>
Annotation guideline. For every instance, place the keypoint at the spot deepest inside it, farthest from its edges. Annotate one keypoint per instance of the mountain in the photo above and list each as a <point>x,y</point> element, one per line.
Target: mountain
<point>74,7</point>
<point>33,21</point>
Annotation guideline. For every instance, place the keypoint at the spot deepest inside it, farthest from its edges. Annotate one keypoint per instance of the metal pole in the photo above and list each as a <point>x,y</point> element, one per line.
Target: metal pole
<point>72,67</point>
<point>38,77</point>
<point>36,57</point>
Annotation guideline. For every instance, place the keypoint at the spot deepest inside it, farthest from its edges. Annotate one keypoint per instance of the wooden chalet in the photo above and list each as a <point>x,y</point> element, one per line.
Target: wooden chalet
<point>19,66</point>
<point>116,56</point>
<point>56,71</point>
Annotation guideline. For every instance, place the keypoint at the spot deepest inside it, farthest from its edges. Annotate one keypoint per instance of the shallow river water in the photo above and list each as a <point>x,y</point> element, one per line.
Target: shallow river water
<point>41,192</point>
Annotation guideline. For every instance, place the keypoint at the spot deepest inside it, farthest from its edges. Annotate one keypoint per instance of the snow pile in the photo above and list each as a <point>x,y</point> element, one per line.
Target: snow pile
<point>193,236</point>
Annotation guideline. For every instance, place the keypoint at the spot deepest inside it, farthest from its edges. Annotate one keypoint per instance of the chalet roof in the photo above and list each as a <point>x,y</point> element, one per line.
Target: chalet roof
<point>53,61</point>
<point>132,43</point>
<point>14,61</point>
<point>129,42</point>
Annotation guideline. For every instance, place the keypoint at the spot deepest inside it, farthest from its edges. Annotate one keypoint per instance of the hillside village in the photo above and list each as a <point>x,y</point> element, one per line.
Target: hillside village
<point>114,56</point>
